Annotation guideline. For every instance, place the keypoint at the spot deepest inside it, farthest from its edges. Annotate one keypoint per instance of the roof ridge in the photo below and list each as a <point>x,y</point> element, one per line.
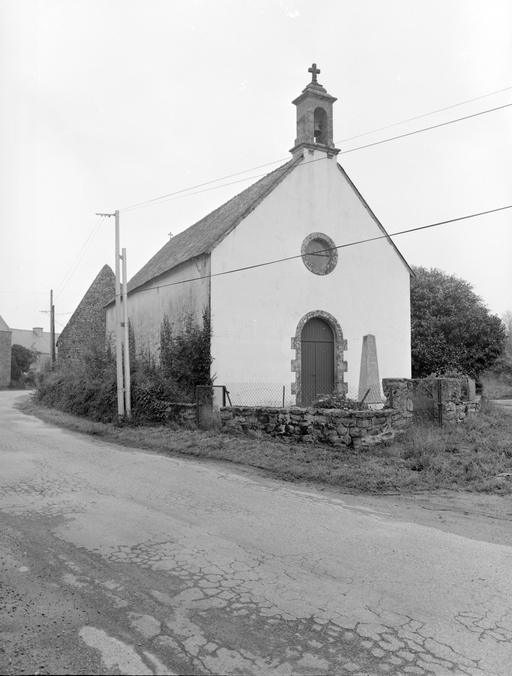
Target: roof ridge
<point>205,234</point>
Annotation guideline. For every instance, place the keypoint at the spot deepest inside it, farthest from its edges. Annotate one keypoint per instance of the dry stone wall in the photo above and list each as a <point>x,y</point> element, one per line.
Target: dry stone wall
<point>447,400</point>
<point>184,415</point>
<point>357,429</point>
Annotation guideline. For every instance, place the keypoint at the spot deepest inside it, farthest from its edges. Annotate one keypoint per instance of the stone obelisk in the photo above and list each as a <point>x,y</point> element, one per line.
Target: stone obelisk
<point>369,373</point>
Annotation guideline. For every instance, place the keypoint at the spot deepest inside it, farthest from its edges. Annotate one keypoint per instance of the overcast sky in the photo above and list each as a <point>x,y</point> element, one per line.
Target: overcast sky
<point>109,103</point>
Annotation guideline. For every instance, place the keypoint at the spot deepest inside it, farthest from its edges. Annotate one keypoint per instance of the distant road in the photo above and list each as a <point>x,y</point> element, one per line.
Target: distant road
<point>121,561</point>
<point>504,404</point>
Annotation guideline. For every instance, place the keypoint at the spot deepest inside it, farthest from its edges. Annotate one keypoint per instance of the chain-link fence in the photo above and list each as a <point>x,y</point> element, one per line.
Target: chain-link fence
<point>260,394</point>
<point>279,395</point>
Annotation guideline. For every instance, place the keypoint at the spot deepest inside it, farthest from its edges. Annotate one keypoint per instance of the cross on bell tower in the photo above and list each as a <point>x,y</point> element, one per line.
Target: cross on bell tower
<point>314,72</point>
<point>314,117</point>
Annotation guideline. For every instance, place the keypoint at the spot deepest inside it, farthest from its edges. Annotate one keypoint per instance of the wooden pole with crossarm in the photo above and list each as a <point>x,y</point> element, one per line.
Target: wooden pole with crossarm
<point>119,331</point>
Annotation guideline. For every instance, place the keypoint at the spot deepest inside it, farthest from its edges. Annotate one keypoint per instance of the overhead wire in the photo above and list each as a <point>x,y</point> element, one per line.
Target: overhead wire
<point>78,259</point>
<point>200,185</point>
<point>434,126</point>
<point>174,196</point>
<point>180,193</point>
<point>340,246</point>
<point>433,112</point>
<point>166,197</point>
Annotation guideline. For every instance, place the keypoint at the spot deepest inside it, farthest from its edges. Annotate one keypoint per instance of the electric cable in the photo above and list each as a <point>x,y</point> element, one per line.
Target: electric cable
<point>340,246</point>
<point>174,196</point>
<point>418,117</point>
<point>419,131</point>
<point>71,271</point>
<point>163,198</point>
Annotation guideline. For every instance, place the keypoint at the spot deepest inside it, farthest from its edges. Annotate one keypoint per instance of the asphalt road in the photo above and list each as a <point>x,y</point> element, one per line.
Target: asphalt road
<point>118,561</point>
<point>504,405</point>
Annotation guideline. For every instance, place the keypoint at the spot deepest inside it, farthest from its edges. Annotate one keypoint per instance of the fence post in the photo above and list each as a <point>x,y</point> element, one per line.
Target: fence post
<point>440,401</point>
<point>284,393</point>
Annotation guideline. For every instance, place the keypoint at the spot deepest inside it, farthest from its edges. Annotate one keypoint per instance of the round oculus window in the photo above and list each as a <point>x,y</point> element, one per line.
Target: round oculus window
<point>319,253</point>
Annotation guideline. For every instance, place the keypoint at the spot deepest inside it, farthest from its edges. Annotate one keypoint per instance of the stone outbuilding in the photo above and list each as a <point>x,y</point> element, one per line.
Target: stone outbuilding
<point>5,354</point>
<point>87,325</point>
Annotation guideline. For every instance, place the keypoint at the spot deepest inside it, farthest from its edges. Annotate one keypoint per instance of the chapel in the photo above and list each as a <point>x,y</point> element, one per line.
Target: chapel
<point>294,272</point>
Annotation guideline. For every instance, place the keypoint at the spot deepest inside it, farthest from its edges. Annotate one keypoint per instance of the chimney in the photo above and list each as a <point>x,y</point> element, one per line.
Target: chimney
<point>38,330</point>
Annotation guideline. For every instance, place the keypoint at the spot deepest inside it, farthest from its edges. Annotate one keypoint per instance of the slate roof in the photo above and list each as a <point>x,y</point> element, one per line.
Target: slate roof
<point>204,235</point>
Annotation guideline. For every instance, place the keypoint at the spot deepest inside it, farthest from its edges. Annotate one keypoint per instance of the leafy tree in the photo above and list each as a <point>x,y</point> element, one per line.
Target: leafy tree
<point>451,326</point>
<point>21,361</point>
<point>502,367</point>
<point>507,321</point>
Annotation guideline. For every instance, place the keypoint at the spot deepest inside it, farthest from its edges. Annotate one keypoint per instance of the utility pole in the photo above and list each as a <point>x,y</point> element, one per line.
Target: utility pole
<point>127,384</point>
<point>52,328</point>
<point>119,335</point>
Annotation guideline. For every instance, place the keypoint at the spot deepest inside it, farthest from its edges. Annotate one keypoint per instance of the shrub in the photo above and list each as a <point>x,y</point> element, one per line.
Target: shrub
<point>337,400</point>
<point>89,387</point>
<point>22,359</point>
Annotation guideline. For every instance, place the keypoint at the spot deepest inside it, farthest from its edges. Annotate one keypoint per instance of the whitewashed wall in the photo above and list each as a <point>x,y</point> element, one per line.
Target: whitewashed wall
<point>255,313</point>
<point>165,295</point>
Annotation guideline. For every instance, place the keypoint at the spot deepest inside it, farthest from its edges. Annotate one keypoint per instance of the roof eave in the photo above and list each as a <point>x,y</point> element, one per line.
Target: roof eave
<point>379,224</point>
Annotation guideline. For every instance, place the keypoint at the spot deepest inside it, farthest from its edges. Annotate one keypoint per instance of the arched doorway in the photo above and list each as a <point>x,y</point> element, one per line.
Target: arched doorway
<point>317,360</point>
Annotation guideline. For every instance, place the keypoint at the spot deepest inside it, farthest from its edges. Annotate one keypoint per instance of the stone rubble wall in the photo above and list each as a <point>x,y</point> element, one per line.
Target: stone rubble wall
<point>5,358</point>
<point>399,395</point>
<point>87,326</point>
<point>356,429</point>
<point>182,414</point>
<point>456,397</point>
<point>345,428</point>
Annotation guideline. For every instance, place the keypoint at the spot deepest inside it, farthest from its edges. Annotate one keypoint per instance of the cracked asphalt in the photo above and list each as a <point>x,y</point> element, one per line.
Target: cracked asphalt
<point>119,561</point>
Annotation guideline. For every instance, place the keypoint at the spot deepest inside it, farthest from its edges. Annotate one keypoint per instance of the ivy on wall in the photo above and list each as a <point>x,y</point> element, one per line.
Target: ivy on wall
<point>185,353</point>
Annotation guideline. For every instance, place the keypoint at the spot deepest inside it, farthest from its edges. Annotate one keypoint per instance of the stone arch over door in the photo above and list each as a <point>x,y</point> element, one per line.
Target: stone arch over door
<point>340,345</point>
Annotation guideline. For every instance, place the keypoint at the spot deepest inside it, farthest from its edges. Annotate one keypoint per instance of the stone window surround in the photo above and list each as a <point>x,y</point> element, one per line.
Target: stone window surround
<point>340,345</point>
<point>333,260</point>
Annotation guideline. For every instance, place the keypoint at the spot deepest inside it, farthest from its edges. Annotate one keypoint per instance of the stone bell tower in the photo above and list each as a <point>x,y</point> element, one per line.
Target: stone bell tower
<point>314,117</point>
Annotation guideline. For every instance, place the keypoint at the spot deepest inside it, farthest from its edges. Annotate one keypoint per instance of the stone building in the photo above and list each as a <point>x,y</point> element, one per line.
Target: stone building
<point>86,326</point>
<point>289,295</point>
<point>36,340</point>
<point>5,354</point>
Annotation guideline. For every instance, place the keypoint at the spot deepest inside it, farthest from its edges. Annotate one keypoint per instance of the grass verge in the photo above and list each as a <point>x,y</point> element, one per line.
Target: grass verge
<point>474,456</point>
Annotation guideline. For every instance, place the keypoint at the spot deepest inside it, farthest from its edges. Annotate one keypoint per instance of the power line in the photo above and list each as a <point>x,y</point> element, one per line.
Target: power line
<point>341,246</point>
<point>418,117</point>
<point>200,185</point>
<point>419,131</point>
<point>178,194</point>
<point>78,260</point>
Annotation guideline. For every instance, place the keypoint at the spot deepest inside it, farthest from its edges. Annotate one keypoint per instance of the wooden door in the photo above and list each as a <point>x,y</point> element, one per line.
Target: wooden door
<point>317,360</point>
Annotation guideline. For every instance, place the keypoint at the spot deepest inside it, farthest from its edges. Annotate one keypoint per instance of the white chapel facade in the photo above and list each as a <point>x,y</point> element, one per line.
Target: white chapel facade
<point>302,299</point>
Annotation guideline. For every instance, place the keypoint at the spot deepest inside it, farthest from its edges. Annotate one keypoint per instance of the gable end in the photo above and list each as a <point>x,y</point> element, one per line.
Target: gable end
<point>376,220</point>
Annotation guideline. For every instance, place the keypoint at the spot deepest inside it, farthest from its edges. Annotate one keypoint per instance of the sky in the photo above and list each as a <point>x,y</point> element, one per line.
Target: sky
<point>107,104</point>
